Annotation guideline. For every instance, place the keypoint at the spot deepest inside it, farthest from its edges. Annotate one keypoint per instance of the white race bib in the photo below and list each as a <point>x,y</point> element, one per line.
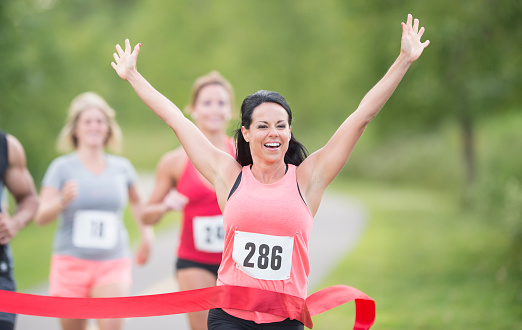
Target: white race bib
<point>264,257</point>
<point>209,233</point>
<point>95,229</point>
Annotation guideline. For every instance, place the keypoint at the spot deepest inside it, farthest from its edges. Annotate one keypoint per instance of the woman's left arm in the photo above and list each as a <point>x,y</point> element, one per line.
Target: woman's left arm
<point>321,167</point>
<point>146,231</point>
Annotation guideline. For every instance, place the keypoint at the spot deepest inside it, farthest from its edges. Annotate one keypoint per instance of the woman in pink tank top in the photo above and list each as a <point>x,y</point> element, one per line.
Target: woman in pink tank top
<point>271,191</point>
<point>180,187</point>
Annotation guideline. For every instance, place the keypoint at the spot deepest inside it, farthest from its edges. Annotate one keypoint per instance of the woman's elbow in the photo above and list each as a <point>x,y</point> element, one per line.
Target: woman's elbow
<point>38,220</point>
<point>41,218</point>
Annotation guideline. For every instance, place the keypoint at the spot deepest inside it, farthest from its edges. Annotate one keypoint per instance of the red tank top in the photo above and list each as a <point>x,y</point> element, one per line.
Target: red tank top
<point>202,227</point>
<point>267,229</point>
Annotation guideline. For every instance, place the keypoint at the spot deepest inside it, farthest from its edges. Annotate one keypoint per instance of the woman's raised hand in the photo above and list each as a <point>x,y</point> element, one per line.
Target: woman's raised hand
<point>411,45</point>
<point>125,60</point>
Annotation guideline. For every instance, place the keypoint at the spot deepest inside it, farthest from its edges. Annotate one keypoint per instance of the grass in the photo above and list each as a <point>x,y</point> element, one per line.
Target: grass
<point>32,255</point>
<point>144,146</point>
<point>426,264</point>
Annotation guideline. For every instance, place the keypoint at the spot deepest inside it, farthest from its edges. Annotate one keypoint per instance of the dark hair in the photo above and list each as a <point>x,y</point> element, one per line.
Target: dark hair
<point>296,152</point>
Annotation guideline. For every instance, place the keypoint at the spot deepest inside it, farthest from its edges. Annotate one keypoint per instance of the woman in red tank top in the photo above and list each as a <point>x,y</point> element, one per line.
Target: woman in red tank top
<point>180,187</point>
<point>269,158</point>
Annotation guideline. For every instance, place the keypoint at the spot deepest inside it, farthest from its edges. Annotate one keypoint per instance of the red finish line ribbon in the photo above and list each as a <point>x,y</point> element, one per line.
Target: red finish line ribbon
<point>225,296</point>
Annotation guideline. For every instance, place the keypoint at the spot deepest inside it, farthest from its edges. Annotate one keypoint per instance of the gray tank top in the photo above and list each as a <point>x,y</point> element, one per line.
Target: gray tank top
<point>91,227</point>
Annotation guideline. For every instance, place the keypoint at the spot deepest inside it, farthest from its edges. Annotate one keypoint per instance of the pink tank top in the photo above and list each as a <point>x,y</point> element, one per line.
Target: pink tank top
<point>202,231</point>
<point>267,229</point>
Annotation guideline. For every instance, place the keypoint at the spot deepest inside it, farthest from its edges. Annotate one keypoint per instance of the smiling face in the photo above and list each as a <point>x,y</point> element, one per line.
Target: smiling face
<point>92,129</point>
<point>212,108</point>
<point>269,133</point>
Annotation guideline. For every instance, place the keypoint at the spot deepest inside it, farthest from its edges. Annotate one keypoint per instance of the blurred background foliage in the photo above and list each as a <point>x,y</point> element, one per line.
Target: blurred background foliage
<point>453,124</point>
<point>322,56</point>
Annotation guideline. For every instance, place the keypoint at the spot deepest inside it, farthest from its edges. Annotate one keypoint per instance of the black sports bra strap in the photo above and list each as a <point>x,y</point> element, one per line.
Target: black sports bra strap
<point>236,184</point>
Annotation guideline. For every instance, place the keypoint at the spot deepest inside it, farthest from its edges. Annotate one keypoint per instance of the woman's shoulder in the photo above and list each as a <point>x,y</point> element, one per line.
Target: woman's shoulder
<point>172,163</point>
<point>61,166</point>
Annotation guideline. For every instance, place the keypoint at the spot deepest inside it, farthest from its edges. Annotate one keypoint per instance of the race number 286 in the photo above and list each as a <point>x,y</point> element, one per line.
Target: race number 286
<point>262,256</point>
<point>266,256</point>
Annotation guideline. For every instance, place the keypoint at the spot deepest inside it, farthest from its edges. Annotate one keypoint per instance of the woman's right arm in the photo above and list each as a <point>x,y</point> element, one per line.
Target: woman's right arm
<point>161,201</point>
<point>54,201</point>
<point>201,152</point>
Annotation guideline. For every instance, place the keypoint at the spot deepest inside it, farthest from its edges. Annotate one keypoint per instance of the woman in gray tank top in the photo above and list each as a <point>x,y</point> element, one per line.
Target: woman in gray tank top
<point>88,191</point>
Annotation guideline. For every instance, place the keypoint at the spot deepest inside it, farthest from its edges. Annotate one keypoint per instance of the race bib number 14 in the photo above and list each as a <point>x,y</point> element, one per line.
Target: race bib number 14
<point>209,234</point>
<point>264,257</point>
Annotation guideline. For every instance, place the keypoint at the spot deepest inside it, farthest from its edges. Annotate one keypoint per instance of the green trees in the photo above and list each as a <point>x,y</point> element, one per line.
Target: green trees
<point>322,57</point>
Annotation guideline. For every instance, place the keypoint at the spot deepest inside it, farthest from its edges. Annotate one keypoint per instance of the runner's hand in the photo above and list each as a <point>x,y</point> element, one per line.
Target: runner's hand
<point>8,230</point>
<point>411,45</point>
<point>69,192</point>
<point>145,247</point>
<point>175,201</point>
<point>125,61</point>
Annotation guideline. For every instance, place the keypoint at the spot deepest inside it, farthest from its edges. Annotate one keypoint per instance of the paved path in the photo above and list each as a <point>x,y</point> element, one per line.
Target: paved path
<point>337,228</point>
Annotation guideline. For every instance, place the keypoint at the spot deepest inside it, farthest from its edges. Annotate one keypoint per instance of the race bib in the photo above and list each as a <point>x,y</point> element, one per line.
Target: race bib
<point>209,233</point>
<point>264,257</point>
<point>95,229</point>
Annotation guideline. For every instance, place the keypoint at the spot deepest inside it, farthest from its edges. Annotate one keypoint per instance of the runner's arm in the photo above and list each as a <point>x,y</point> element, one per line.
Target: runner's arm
<point>324,165</point>
<point>201,152</point>
<point>167,173</point>
<point>146,232</point>
<point>20,184</point>
<point>53,201</point>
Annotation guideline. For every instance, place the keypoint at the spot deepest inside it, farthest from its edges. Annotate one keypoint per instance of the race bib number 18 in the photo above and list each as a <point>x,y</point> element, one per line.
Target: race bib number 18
<point>264,257</point>
<point>95,229</point>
